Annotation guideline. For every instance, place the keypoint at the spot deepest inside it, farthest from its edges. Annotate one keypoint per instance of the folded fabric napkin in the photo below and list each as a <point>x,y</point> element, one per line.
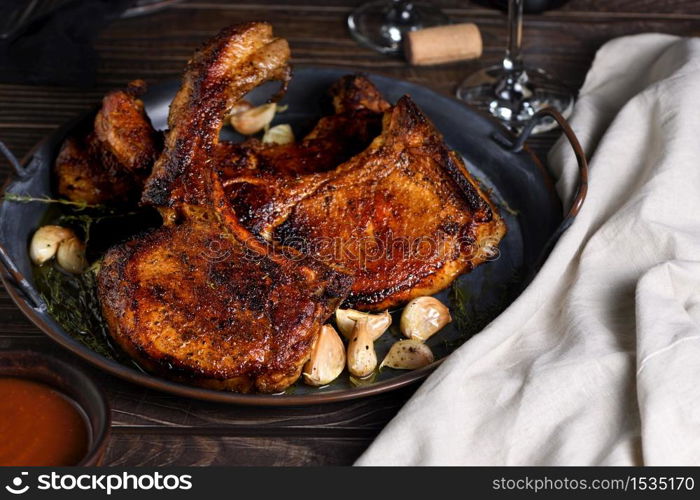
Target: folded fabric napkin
<point>598,361</point>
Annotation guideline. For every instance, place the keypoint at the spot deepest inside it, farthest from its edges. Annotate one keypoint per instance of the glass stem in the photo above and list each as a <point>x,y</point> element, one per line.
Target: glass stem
<point>513,91</point>
<point>513,62</point>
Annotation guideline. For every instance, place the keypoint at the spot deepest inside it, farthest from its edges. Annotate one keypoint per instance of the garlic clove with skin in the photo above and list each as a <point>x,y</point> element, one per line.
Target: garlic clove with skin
<point>253,120</point>
<point>327,359</point>
<point>279,134</point>
<point>239,108</point>
<point>71,256</point>
<point>362,359</point>
<point>409,354</point>
<point>423,317</point>
<point>346,319</point>
<point>46,241</point>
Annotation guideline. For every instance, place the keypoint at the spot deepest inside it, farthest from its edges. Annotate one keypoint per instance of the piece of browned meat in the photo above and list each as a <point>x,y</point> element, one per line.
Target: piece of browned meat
<point>109,164</point>
<point>236,61</point>
<point>405,216</point>
<point>199,300</point>
<point>359,109</point>
<point>194,303</point>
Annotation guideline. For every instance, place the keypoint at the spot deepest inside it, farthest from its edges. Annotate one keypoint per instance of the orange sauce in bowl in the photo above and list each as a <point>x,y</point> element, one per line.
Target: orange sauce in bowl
<point>39,425</point>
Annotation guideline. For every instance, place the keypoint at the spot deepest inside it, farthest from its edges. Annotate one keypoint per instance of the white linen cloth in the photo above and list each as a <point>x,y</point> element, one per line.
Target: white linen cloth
<point>598,361</point>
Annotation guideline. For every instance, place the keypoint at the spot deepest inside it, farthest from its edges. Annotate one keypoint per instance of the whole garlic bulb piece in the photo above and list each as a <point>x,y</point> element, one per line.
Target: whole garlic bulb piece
<point>408,354</point>
<point>377,323</point>
<point>423,317</point>
<point>46,241</point>
<point>327,358</point>
<point>362,359</point>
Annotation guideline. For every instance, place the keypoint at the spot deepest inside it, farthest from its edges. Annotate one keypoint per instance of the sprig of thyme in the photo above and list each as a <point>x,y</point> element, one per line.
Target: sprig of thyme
<point>76,217</point>
<point>78,205</point>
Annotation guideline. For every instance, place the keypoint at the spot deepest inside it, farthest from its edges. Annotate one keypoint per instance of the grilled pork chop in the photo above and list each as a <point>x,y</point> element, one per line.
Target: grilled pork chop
<point>193,302</point>
<point>404,216</point>
<point>202,301</point>
<point>109,164</point>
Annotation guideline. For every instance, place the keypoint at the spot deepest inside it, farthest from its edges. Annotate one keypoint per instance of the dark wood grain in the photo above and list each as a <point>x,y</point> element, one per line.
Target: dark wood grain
<point>152,428</point>
<point>197,449</point>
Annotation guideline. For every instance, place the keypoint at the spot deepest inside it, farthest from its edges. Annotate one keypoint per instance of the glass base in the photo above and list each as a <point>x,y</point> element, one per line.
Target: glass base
<point>380,25</point>
<point>537,90</point>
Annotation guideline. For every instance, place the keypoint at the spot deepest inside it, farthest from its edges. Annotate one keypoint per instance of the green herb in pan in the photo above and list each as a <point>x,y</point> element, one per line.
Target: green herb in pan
<point>21,198</point>
<point>72,302</point>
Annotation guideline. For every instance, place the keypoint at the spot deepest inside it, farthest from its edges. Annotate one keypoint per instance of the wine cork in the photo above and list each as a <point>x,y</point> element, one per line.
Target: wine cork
<point>442,44</point>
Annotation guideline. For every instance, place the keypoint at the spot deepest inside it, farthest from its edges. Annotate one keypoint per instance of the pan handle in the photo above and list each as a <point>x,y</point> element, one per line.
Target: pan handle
<point>16,278</point>
<point>16,165</point>
<point>516,145</point>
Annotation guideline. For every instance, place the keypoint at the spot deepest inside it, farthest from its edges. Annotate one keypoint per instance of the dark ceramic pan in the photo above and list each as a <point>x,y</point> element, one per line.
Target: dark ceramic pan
<point>519,183</point>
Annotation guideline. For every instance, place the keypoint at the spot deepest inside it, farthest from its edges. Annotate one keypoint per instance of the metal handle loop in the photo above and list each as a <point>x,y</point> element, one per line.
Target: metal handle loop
<point>516,145</point>
<point>16,165</point>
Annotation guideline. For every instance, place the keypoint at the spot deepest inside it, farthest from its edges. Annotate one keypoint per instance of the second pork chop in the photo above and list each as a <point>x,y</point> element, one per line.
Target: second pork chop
<point>404,216</point>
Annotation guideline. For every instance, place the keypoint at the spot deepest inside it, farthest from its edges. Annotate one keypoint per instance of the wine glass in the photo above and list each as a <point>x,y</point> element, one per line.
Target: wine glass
<point>380,25</point>
<point>511,91</point>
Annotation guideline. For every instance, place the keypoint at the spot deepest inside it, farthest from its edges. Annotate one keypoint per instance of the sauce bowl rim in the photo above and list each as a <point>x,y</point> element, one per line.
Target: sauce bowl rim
<point>98,436</point>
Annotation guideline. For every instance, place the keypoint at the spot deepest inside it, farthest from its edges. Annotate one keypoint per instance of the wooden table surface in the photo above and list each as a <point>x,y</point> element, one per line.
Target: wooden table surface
<point>152,428</point>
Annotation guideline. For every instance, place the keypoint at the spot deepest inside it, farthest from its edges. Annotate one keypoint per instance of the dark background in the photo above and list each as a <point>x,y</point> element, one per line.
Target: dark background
<point>152,428</point>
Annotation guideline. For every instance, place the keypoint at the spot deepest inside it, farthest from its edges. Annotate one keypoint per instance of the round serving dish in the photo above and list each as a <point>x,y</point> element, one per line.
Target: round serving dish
<point>519,183</point>
<point>72,382</point>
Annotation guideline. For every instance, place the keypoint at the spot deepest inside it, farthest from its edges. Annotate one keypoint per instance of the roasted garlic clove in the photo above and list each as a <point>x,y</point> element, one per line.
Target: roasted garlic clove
<point>239,108</point>
<point>362,360</point>
<point>71,256</point>
<point>408,354</point>
<point>423,317</point>
<point>327,358</point>
<point>346,318</point>
<point>279,134</point>
<point>46,241</point>
<point>253,120</point>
